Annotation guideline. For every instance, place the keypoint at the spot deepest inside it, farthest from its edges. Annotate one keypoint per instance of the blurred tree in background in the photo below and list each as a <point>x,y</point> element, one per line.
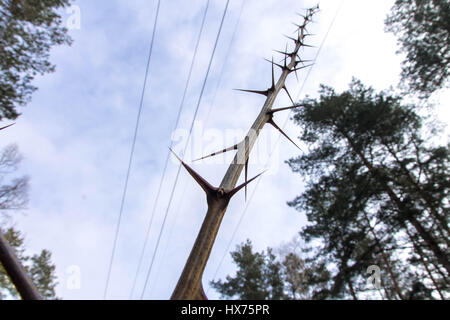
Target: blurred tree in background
<point>423,31</point>
<point>14,197</point>
<point>377,194</point>
<point>28,30</point>
<point>38,266</point>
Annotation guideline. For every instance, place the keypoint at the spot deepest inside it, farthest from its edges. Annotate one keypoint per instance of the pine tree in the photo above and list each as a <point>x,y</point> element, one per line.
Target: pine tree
<point>249,282</point>
<point>28,30</point>
<point>423,31</point>
<point>368,191</point>
<point>264,276</point>
<point>42,271</point>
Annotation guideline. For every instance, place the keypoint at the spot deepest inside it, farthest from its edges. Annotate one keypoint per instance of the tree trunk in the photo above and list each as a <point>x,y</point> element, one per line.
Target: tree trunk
<point>405,213</point>
<point>420,253</point>
<point>383,256</point>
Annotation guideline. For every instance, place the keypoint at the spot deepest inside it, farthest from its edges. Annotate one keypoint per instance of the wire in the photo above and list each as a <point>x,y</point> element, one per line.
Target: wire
<point>219,82</point>
<point>133,145</point>
<point>211,106</point>
<point>187,143</point>
<point>276,143</point>
<point>168,152</point>
<point>172,227</point>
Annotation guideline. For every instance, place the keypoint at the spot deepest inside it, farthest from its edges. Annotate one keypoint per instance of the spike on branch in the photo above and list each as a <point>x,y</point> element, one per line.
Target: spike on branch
<point>273,77</point>
<point>295,71</point>
<point>278,65</point>
<point>290,38</point>
<point>302,67</point>
<point>9,125</point>
<point>263,92</point>
<point>305,45</point>
<point>285,59</point>
<point>235,147</point>
<point>299,68</point>
<point>301,61</point>
<point>208,188</point>
<point>289,95</point>
<point>304,17</point>
<point>285,52</point>
<point>270,120</point>
<point>246,175</point>
<point>282,132</point>
<point>271,112</point>
<point>238,188</point>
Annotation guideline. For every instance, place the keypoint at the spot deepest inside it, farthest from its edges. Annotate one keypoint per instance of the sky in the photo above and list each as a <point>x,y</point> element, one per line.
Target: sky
<point>76,133</point>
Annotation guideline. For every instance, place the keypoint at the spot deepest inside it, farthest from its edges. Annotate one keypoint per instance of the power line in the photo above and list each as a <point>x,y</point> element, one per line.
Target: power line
<point>211,106</point>
<point>187,143</point>
<point>276,143</point>
<point>131,153</point>
<point>168,152</point>
<point>226,60</point>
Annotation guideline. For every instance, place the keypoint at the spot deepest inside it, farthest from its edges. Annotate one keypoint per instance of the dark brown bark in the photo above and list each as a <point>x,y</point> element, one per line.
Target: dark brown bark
<point>16,272</point>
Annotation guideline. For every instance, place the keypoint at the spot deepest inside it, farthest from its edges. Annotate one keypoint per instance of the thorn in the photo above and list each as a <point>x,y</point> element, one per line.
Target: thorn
<point>302,67</point>
<point>271,112</point>
<point>9,125</point>
<point>295,71</point>
<point>303,26</point>
<point>285,52</point>
<point>290,38</point>
<point>273,78</point>
<point>285,59</point>
<point>282,132</point>
<point>282,52</point>
<point>263,92</point>
<point>302,16</point>
<point>285,89</point>
<point>306,45</point>
<point>246,174</point>
<point>278,65</point>
<point>235,147</point>
<point>235,190</point>
<point>301,61</point>
<point>209,189</point>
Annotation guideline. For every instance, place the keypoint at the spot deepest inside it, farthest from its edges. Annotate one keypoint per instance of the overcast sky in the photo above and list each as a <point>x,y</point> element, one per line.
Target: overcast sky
<point>76,133</point>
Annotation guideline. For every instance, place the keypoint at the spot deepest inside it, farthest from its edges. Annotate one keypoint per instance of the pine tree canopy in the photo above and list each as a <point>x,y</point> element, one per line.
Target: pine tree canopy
<point>28,30</point>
